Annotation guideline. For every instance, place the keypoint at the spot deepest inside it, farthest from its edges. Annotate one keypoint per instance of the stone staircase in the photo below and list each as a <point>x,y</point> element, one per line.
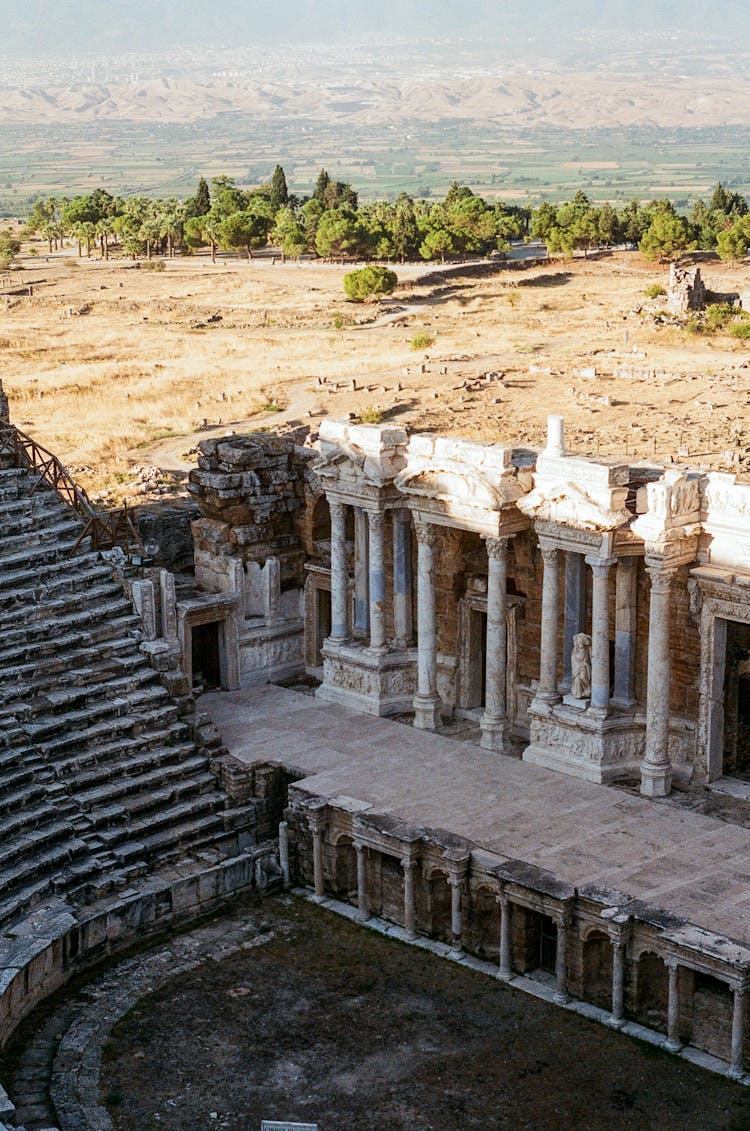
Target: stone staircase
<point>101,780</point>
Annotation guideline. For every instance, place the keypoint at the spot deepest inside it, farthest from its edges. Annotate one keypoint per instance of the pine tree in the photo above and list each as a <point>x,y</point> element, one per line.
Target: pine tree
<point>321,185</point>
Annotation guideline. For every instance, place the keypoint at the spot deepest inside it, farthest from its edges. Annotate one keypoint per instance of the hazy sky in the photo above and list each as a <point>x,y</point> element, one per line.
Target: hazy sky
<point>35,27</point>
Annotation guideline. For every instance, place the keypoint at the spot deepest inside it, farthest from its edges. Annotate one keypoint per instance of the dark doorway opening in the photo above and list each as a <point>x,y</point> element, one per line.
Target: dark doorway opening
<point>322,615</point>
<point>206,655</point>
<point>737,701</point>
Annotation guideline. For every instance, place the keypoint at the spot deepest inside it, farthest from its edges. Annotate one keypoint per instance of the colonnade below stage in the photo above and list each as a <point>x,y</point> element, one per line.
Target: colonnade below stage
<point>634,963</point>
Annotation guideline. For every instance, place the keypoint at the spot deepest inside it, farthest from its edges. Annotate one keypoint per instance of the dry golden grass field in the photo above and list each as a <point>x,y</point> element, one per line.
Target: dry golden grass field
<point>115,366</point>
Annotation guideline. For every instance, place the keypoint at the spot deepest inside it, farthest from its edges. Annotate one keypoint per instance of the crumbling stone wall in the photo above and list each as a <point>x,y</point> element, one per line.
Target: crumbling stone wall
<point>4,409</point>
<point>686,291</point>
<point>250,490</point>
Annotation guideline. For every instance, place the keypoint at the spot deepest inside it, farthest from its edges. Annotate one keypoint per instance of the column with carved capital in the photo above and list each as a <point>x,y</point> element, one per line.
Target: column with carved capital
<point>317,826</point>
<point>339,616</point>
<point>402,615</point>
<point>600,635</point>
<point>656,769</point>
<point>673,1006</point>
<point>363,910</point>
<point>547,692</point>
<point>376,520</point>
<point>410,911</point>
<point>505,971</point>
<point>456,886</point>
<point>495,719</point>
<point>737,1062</point>
<point>561,961</point>
<point>618,983</point>
<point>426,701</point>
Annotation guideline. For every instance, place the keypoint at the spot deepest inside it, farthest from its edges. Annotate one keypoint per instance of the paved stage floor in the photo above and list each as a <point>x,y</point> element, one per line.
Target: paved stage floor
<point>695,866</point>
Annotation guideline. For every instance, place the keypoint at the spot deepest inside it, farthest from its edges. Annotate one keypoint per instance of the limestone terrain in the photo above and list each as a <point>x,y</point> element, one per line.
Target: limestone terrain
<point>121,370</point>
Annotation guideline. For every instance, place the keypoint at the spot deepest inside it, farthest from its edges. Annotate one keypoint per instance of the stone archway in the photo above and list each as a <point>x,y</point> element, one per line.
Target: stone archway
<point>652,992</point>
<point>597,970</point>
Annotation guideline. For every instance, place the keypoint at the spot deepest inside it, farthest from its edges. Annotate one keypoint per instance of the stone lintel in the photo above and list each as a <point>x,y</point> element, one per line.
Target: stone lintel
<point>365,495</point>
<point>577,469</point>
<point>530,877</point>
<point>671,555</point>
<point>714,574</point>
<point>503,523</point>
<point>709,953</point>
<point>558,536</point>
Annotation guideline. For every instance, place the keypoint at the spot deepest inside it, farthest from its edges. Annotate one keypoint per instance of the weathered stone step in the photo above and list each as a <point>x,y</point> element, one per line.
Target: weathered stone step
<point>116,655</point>
<point>140,686</point>
<point>107,755</point>
<point>34,589</point>
<point>86,636</point>
<point>55,621</point>
<point>19,791</point>
<point>67,569</point>
<point>14,848</point>
<point>63,532</point>
<point>124,798</point>
<point>171,821</point>
<point>142,763</point>
<point>62,605</point>
<point>29,817</point>
<point>93,738</point>
<point>36,877</point>
<point>56,691</point>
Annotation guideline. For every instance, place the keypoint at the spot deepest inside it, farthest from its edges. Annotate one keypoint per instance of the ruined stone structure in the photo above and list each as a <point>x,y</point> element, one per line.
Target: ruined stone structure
<point>686,290</point>
<point>449,578</point>
<point>590,617</point>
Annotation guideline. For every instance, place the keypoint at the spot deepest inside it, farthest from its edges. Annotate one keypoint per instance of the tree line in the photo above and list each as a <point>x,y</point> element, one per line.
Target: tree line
<point>332,224</point>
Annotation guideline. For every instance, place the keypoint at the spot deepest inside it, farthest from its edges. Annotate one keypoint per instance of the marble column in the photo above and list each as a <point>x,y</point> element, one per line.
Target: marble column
<point>284,852</point>
<point>363,910</point>
<point>426,701</point>
<point>656,769</point>
<point>495,718</point>
<point>618,983</point>
<point>361,593</point>
<point>376,520</point>
<point>673,1008</point>
<point>402,583</point>
<point>505,970</point>
<point>626,614</point>
<point>316,827</point>
<point>600,635</point>
<point>456,886</point>
<point>339,616</point>
<point>574,609</point>
<point>548,692</point>
<point>561,963</point>
<point>410,912</point>
<point>737,1062</point>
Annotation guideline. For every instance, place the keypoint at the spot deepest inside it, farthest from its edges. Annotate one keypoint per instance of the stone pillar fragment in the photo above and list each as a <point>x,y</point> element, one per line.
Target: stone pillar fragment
<point>168,598</point>
<point>376,521</point>
<point>495,718</point>
<point>656,769</point>
<point>339,615</point>
<point>284,852</point>
<point>144,602</point>
<point>426,701</point>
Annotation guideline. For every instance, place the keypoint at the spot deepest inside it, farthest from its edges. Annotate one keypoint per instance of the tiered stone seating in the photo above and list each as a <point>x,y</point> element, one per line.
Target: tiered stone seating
<point>100,778</point>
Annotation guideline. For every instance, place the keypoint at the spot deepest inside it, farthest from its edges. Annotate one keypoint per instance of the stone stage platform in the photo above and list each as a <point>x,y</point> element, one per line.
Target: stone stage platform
<point>681,862</point>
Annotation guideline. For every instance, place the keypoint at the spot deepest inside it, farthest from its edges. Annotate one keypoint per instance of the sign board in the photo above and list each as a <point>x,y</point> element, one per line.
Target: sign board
<point>275,1125</point>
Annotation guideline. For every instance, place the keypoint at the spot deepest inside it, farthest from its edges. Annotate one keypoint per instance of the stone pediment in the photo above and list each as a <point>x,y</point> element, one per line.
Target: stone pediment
<point>359,454</point>
<point>570,504</point>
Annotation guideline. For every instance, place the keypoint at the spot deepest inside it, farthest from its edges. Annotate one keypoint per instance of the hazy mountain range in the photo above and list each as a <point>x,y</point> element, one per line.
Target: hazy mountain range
<point>83,27</point>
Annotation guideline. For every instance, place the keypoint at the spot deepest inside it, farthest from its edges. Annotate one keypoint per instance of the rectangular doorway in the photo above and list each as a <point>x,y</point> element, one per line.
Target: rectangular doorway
<point>206,654</point>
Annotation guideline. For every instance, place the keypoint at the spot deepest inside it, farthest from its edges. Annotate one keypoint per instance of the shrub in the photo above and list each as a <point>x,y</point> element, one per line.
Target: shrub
<point>371,415</point>
<point>654,290</point>
<point>741,330</point>
<point>422,341</point>
<point>372,281</point>
<point>338,320</point>
<point>718,314</point>
<point>153,265</point>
